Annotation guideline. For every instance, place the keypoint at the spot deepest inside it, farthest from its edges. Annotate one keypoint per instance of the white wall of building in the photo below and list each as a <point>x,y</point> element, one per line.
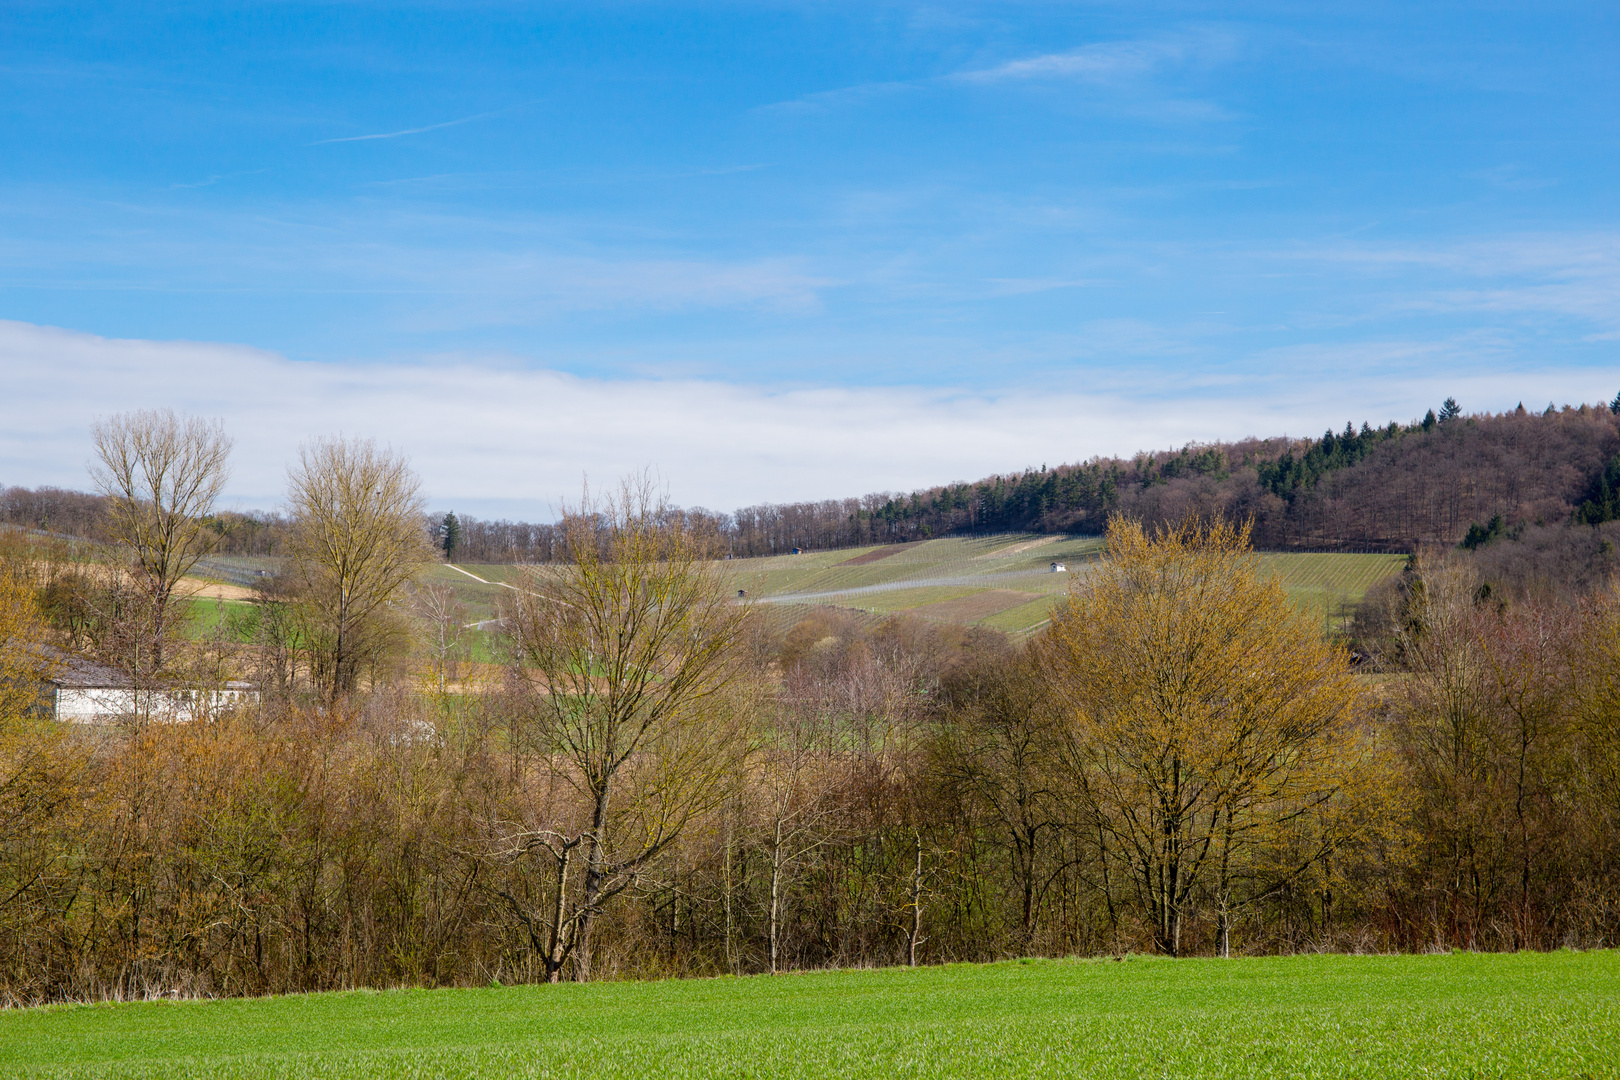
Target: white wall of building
<point>105,705</point>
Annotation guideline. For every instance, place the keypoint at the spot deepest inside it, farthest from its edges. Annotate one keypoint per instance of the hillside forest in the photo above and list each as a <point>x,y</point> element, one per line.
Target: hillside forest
<point>1388,488</point>
<point>649,775</point>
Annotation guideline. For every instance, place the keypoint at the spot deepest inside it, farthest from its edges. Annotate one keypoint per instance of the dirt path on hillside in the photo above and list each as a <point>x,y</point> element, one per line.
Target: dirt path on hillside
<point>480,580</point>
<point>1016,548</point>
<point>196,589</point>
<point>192,588</point>
<point>909,583</point>
<point>874,555</point>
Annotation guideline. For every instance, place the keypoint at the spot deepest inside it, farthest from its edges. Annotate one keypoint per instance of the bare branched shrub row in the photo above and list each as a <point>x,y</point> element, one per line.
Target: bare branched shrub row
<point>653,781</point>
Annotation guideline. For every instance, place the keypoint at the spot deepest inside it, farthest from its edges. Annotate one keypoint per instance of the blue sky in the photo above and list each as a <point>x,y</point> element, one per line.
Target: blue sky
<point>783,251</point>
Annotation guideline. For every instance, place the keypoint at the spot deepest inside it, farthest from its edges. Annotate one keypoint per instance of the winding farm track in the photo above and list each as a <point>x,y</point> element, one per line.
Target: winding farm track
<point>908,583</point>
<point>484,624</point>
<point>480,580</point>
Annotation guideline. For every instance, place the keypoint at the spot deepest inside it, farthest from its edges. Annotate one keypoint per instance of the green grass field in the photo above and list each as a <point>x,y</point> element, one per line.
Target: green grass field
<point>1452,1015</point>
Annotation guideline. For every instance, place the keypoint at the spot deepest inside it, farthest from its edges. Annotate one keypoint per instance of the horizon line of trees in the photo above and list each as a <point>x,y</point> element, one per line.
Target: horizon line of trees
<point>1388,488</point>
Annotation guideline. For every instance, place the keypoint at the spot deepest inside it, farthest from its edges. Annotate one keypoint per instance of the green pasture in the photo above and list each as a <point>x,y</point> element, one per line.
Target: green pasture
<point>234,620</point>
<point>979,558</point>
<point>1450,1015</point>
<point>237,621</point>
<point>480,600</point>
<point>1024,619</point>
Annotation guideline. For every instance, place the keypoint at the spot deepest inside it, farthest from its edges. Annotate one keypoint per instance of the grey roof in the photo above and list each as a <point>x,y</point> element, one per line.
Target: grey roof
<point>69,672</point>
<point>77,673</point>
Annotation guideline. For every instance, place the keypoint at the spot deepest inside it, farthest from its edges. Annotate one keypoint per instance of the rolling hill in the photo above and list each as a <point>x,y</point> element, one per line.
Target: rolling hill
<point>1005,582</point>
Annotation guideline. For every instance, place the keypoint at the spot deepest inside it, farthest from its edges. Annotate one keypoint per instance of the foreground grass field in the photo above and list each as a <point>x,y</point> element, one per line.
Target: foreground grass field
<point>1460,1015</point>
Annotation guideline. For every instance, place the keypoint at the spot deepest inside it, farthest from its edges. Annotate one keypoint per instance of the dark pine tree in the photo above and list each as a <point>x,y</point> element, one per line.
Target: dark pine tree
<point>1480,535</point>
<point>449,536</point>
<point>1449,410</point>
<point>1602,501</point>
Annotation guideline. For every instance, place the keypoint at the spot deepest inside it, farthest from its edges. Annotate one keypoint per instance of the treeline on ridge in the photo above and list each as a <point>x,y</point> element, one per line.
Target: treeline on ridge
<point>1387,488</point>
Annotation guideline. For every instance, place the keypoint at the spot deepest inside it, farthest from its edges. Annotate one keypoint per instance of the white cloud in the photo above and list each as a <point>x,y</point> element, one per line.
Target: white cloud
<point>449,270</point>
<point>1563,274</point>
<point>1113,63</point>
<point>840,97</point>
<point>497,439</point>
<point>1135,78</point>
<point>1129,67</point>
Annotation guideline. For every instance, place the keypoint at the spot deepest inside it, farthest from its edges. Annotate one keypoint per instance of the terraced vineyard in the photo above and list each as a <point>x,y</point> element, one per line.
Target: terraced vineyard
<point>1330,583</point>
<point>1006,581</point>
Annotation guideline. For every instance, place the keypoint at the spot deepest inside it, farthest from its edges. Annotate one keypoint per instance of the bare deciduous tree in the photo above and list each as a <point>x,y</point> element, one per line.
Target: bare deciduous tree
<point>161,474</point>
<point>442,633</point>
<point>628,658</point>
<point>1001,753</point>
<point>796,789</point>
<point>357,538</point>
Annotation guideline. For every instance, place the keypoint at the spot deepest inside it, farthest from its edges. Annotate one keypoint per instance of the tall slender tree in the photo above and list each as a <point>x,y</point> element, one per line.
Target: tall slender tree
<point>162,474</point>
<point>449,536</point>
<point>358,536</point>
<point>628,658</point>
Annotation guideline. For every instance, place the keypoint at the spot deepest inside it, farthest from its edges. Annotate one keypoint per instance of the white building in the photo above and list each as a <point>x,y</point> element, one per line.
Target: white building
<point>83,692</point>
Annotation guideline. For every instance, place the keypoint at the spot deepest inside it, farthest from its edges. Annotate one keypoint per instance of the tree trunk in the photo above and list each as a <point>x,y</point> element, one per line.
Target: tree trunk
<point>558,951</point>
<point>915,937</point>
<point>776,892</point>
<point>1026,857</point>
<point>595,875</point>
<point>1223,910</point>
<point>731,956</point>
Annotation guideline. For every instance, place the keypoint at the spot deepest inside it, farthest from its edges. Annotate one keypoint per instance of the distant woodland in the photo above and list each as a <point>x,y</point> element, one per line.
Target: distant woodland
<point>1389,488</point>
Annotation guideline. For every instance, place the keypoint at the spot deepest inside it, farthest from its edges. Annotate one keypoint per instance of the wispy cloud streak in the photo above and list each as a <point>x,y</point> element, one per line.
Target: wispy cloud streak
<point>407,131</point>
<point>1132,68</point>
<point>1113,62</point>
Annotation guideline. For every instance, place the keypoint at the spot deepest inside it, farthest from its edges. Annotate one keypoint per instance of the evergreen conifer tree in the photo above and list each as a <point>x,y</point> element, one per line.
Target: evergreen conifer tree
<point>1450,410</point>
<point>1603,498</point>
<point>449,536</point>
<point>1428,421</point>
<point>1614,406</point>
